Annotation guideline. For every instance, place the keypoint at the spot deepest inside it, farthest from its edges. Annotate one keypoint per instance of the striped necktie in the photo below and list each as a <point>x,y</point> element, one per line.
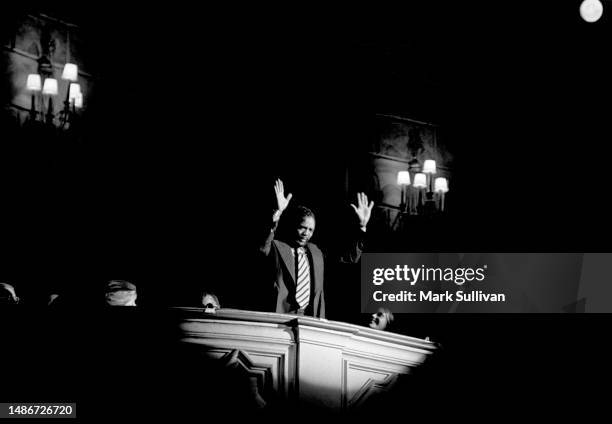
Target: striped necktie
<point>302,291</point>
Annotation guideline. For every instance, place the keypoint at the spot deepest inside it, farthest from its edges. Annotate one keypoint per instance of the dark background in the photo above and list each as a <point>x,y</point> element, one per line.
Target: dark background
<point>192,116</point>
<point>195,112</point>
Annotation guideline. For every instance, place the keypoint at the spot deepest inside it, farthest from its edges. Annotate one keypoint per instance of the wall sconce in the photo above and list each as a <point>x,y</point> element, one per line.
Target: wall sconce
<point>50,89</point>
<point>423,190</point>
<point>43,87</point>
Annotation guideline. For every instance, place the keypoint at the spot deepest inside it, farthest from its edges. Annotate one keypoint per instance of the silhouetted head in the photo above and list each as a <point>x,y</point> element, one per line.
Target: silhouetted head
<point>120,293</point>
<point>52,299</point>
<point>210,302</point>
<point>8,295</point>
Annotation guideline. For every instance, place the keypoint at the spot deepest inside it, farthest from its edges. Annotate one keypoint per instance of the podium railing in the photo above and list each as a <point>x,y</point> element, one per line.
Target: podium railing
<point>314,362</point>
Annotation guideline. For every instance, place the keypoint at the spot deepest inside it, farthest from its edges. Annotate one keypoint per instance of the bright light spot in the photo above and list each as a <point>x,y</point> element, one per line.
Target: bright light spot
<point>591,10</point>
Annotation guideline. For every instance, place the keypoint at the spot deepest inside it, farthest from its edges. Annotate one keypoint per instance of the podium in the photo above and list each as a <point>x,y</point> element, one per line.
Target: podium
<point>302,360</point>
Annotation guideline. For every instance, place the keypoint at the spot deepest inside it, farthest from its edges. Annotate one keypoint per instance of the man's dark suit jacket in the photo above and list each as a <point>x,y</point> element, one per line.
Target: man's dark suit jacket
<point>283,267</point>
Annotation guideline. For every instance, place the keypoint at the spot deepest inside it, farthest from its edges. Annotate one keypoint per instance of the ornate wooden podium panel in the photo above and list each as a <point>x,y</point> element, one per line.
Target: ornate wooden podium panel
<point>310,361</point>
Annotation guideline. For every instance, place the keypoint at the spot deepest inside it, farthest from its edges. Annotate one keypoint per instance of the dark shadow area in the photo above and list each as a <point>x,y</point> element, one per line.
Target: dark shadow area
<point>128,363</point>
<point>192,116</point>
<point>165,182</point>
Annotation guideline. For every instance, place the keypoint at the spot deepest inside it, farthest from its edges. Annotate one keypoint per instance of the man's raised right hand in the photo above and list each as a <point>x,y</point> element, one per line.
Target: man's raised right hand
<point>281,201</point>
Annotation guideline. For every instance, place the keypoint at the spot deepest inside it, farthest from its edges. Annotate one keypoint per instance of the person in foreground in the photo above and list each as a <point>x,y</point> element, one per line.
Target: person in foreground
<point>297,264</point>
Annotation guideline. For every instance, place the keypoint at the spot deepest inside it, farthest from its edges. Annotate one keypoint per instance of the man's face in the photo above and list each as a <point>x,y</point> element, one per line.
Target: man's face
<point>304,231</point>
<point>379,320</point>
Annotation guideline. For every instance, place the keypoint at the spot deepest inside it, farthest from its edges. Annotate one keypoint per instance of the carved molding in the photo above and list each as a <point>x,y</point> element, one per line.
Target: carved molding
<point>259,376</point>
<point>361,382</point>
<point>273,371</point>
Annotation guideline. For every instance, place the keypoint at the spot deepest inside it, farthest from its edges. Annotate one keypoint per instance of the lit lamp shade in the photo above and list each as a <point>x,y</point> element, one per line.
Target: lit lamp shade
<point>429,166</point>
<point>440,185</point>
<point>71,72</point>
<point>78,101</point>
<point>75,90</point>
<point>403,178</point>
<point>50,87</point>
<point>420,180</point>
<point>34,82</point>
